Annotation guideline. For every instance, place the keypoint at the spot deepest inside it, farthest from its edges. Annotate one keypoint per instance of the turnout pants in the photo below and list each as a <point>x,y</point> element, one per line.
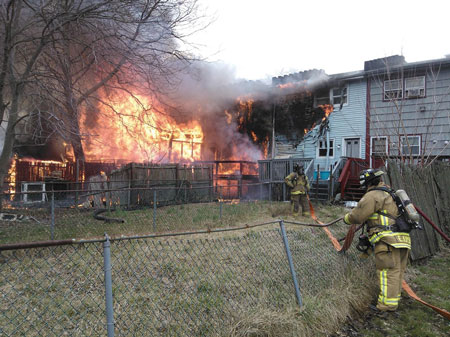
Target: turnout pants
<point>299,203</point>
<point>391,265</point>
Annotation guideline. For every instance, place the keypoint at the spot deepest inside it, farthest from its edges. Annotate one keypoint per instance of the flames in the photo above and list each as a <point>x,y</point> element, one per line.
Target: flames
<point>135,130</point>
<point>12,174</point>
<point>327,109</point>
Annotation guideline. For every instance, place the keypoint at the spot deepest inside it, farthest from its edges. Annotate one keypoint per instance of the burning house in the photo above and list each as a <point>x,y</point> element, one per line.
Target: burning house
<point>229,128</point>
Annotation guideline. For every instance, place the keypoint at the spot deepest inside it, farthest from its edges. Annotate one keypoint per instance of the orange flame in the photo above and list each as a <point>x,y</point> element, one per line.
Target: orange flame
<point>69,154</point>
<point>246,105</point>
<point>255,138</point>
<point>229,117</point>
<point>135,130</point>
<point>327,108</point>
<point>266,146</point>
<point>12,173</point>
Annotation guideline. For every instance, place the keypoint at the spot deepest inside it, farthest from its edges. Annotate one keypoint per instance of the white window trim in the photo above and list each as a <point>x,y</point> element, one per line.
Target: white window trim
<point>419,145</point>
<point>344,146</point>
<point>331,96</point>
<point>318,148</point>
<point>42,191</point>
<point>371,147</point>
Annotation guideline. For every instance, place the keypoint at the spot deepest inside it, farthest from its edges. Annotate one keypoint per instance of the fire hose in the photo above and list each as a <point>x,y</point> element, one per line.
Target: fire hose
<point>436,228</point>
<point>348,241</point>
<point>104,218</point>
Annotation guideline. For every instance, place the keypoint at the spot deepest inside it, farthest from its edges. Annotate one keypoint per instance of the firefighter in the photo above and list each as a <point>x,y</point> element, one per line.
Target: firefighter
<point>299,183</point>
<point>391,248</point>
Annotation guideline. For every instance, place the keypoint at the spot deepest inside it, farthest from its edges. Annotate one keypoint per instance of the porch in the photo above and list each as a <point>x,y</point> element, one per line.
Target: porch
<point>341,177</point>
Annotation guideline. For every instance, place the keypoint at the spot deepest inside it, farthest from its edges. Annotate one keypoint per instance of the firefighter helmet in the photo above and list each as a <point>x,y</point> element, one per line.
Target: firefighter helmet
<point>366,176</point>
<point>298,167</point>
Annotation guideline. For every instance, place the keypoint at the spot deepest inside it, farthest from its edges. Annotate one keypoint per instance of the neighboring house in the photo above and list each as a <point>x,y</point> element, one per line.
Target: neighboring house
<point>343,132</point>
<point>408,109</point>
<point>391,109</point>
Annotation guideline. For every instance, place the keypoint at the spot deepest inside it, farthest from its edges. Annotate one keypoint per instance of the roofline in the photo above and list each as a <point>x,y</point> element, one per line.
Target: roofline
<point>351,75</point>
<point>409,65</point>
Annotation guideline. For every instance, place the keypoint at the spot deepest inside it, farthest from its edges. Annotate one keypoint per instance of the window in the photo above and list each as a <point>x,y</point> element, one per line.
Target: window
<point>410,145</point>
<point>378,151</point>
<point>393,89</point>
<point>415,87</point>
<point>322,97</point>
<point>379,146</point>
<point>324,149</point>
<point>339,96</point>
<point>334,96</point>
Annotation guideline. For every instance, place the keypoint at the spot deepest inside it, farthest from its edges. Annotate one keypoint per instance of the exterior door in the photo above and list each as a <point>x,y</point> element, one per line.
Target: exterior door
<point>352,147</point>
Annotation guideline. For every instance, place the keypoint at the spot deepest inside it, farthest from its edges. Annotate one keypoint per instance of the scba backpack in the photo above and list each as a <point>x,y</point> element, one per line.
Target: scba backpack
<point>408,217</point>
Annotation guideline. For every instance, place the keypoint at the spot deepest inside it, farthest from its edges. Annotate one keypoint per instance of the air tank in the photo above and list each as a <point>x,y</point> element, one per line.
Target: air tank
<point>409,207</point>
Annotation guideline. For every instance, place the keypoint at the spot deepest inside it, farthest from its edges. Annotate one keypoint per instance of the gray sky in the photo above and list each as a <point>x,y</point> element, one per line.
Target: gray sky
<point>262,38</point>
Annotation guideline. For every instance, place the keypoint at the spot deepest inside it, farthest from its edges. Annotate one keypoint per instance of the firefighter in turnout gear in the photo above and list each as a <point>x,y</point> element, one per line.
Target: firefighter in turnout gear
<point>391,247</point>
<point>299,184</point>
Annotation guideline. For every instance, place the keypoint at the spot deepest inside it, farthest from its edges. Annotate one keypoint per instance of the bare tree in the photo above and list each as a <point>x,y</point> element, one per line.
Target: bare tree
<point>410,112</point>
<point>58,55</point>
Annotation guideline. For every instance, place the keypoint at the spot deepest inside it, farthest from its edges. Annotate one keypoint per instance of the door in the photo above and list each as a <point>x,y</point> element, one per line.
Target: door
<point>352,147</point>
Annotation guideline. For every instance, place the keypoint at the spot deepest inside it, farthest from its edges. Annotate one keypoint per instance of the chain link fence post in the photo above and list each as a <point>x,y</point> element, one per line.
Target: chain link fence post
<point>108,286</point>
<point>220,197</point>
<point>270,193</point>
<point>291,264</point>
<point>154,210</point>
<point>52,221</point>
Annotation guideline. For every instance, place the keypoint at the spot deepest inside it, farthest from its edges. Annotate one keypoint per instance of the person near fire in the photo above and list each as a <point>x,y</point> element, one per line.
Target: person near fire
<point>299,184</point>
<point>391,248</point>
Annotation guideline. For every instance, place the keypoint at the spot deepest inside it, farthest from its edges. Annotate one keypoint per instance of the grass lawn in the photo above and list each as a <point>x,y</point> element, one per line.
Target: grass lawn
<point>231,284</point>
<point>430,280</point>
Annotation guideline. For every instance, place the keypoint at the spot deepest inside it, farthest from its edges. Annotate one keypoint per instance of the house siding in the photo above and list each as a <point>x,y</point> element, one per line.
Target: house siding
<point>428,117</point>
<point>349,122</point>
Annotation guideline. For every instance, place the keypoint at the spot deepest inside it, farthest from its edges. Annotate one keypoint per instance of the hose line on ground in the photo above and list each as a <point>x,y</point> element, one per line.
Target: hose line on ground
<point>348,242</point>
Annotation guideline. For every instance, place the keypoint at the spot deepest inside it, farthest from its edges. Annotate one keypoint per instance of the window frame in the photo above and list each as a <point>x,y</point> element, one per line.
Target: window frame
<point>404,90</point>
<point>386,143</point>
<point>332,95</point>
<point>321,98</point>
<point>327,148</point>
<point>400,90</point>
<point>420,88</point>
<point>419,145</point>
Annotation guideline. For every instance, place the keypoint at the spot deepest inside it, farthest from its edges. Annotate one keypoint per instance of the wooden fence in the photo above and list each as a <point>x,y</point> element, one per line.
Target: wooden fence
<point>428,188</point>
<point>169,180</point>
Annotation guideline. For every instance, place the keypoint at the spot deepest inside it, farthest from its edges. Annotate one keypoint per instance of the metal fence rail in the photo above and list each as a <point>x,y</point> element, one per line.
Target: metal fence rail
<point>125,211</point>
<point>185,285</point>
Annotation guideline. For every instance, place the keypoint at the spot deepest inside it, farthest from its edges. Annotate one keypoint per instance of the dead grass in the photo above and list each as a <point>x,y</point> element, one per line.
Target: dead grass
<point>321,315</point>
<point>236,284</point>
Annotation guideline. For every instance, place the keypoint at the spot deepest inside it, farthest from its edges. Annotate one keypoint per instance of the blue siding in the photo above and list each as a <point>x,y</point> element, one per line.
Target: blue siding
<point>350,122</point>
<point>428,117</point>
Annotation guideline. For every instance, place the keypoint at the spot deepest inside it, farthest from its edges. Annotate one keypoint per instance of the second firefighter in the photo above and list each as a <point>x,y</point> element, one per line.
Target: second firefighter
<point>299,184</point>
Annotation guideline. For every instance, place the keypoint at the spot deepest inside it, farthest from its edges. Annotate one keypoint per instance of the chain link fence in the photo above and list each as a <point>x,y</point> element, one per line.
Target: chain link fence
<point>39,216</point>
<point>165,285</point>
